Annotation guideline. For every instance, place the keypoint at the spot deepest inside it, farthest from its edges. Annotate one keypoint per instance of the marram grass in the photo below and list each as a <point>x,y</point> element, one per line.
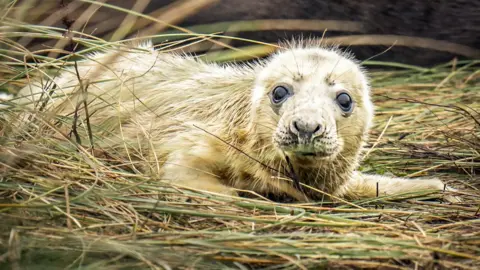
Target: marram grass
<point>66,206</point>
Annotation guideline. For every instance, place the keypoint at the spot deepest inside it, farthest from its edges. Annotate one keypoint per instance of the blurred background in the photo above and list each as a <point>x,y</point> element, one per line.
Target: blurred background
<point>410,31</point>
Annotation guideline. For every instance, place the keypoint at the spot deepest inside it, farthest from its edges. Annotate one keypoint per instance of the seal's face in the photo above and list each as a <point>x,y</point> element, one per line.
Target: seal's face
<point>313,103</point>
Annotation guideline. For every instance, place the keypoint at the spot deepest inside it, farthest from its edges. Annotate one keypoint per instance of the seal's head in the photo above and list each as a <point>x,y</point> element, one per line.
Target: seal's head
<point>312,103</point>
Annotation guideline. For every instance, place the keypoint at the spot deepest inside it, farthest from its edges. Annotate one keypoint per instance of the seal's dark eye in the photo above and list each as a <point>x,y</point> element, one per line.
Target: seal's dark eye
<point>279,94</point>
<point>345,102</point>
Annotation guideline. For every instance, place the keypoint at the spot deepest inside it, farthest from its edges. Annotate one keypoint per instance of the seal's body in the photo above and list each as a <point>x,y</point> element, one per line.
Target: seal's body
<point>304,114</point>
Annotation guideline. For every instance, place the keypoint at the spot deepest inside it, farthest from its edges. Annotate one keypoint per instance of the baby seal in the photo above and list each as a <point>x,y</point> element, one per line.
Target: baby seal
<point>293,124</point>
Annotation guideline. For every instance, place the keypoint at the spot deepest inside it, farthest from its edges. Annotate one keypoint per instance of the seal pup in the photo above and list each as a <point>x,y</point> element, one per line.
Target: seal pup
<point>298,119</point>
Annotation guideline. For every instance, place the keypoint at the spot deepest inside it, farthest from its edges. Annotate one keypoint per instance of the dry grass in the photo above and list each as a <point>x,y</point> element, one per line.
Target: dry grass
<point>69,207</point>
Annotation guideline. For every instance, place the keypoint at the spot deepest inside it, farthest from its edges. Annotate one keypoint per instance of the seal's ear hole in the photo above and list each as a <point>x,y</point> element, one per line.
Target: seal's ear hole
<point>280,94</point>
<point>345,102</point>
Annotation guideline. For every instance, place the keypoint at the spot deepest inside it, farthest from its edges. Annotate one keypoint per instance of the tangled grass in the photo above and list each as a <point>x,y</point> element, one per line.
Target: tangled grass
<point>64,205</point>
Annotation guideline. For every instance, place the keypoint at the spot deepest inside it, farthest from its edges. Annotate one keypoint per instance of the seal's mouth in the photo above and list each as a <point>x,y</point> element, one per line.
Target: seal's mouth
<point>309,150</point>
<point>307,154</point>
<point>311,154</point>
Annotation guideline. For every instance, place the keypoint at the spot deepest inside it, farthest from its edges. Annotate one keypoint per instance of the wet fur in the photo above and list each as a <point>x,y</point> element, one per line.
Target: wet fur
<point>212,127</point>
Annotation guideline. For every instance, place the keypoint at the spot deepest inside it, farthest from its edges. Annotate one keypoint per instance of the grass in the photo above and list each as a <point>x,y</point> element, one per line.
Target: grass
<point>69,207</point>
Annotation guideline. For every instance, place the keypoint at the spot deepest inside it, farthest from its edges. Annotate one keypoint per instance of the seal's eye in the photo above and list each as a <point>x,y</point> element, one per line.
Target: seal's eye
<point>345,102</point>
<point>279,94</point>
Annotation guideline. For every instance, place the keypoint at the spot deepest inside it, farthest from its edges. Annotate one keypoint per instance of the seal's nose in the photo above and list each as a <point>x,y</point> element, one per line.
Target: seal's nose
<point>305,128</point>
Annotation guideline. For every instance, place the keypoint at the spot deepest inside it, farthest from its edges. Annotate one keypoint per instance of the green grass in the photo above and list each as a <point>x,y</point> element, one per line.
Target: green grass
<point>70,208</point>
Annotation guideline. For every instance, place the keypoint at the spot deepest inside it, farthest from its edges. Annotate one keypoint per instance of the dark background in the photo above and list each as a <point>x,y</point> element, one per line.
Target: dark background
<point>456,21</point>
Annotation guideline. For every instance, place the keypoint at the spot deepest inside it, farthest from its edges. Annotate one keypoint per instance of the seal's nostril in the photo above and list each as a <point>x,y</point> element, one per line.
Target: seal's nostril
<point>305,129</point>
<point>296,126</point>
